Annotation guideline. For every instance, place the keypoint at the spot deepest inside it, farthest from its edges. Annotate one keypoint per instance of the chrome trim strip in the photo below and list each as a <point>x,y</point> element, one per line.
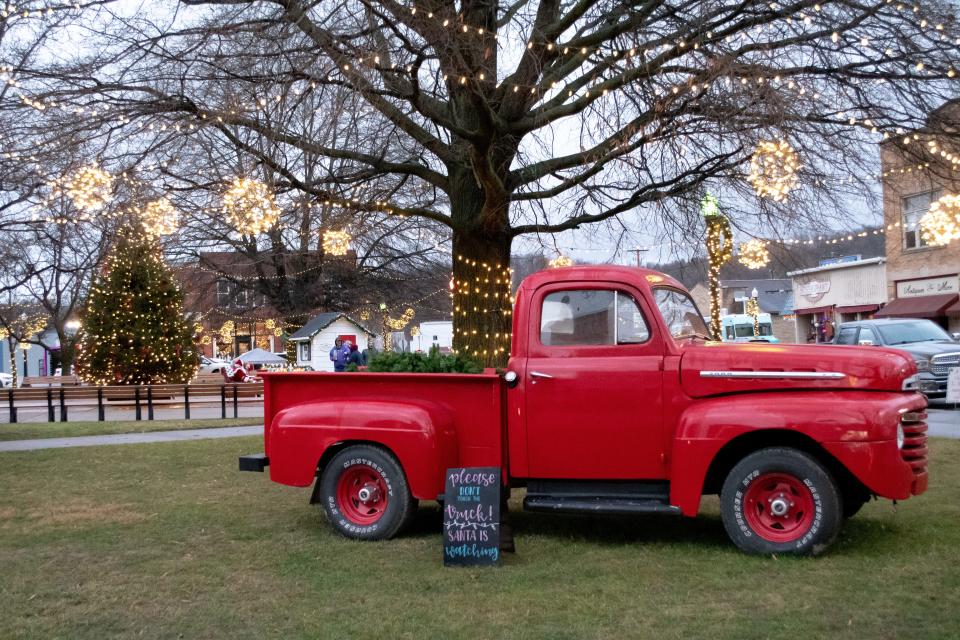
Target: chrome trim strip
<point>776,375</point>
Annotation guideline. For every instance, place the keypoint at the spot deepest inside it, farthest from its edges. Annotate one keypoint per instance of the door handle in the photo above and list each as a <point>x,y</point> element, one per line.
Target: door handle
<point>537,374</point>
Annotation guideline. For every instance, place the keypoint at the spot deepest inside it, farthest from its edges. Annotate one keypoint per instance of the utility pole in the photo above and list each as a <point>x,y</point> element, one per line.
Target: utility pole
<point>639,251</point>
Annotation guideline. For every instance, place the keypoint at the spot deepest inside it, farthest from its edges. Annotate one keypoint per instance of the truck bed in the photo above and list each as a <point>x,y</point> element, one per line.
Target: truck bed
<point>432,421</point>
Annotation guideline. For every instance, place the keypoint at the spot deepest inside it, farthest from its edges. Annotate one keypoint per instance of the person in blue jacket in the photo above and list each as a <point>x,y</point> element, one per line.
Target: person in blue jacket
<point>339,355</point>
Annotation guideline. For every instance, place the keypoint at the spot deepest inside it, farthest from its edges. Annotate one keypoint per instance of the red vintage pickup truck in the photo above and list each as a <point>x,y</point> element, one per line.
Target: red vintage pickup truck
<point>614,401</point>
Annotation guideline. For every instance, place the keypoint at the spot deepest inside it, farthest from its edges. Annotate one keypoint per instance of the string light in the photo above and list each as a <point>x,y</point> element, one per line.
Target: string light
<point>90,188</point>
<point>336,243</point>
<point>249,206</point>
<point>773,170</point>
<point>754,254</point>
<point>159,218</point>
<point>941,224</point>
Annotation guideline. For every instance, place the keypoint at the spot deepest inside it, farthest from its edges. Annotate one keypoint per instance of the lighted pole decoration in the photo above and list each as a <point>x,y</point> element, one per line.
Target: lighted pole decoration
<point>941,224</point>
<point>753,309</point>
<point>719,251</point>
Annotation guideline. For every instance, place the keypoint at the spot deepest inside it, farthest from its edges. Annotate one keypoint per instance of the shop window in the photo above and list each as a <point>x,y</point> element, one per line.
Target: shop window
<point>913,209</point>
<point>304,352</point>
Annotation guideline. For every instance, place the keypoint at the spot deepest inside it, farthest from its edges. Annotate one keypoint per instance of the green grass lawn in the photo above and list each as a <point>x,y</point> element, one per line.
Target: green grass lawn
<point>171,541</point>
<point>31,430</point>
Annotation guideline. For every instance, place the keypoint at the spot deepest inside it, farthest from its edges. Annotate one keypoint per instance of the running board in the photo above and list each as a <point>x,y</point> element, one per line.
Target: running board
<point>603,506</point>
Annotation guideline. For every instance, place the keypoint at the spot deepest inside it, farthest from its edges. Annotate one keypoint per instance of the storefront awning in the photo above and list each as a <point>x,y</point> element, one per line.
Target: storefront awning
<point>954,309</point>
<point>860,308</point>
<point>919,307</point>
<point>813,310</point>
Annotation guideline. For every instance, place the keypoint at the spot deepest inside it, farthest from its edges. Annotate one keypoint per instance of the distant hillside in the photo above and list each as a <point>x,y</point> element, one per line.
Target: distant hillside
<point>784,259</point>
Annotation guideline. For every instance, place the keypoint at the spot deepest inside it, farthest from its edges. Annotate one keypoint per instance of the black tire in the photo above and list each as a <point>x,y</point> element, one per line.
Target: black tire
<point>853,502</point>
<point>795,481</point>
<point>359,460</point>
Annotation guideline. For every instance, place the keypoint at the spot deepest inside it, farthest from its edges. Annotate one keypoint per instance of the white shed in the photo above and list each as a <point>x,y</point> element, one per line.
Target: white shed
<point>434,332</point>
<point>315,339</point>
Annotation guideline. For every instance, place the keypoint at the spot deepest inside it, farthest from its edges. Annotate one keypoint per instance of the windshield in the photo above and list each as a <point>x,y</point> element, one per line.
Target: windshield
<point>906,332</point>
<point>746,330</point>
<point>681,315</point>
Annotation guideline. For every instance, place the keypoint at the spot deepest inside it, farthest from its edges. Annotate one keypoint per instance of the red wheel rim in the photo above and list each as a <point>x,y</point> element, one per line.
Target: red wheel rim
<point>361,495</point>
<point>778,507</point>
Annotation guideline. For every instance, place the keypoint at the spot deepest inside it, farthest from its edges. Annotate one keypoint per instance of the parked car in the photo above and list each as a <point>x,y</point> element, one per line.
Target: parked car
<point>213,365</point>
<point>614,401</point>
<point>932,348</point>
<point>6,380</point>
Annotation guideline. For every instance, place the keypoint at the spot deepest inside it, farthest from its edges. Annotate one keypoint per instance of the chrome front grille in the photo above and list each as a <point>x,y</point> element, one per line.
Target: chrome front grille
<point>914,451</point>
<point>940,365</point>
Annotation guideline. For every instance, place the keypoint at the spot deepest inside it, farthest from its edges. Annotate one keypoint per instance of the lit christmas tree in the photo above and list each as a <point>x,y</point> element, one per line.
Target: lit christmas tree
<point>134,328</point>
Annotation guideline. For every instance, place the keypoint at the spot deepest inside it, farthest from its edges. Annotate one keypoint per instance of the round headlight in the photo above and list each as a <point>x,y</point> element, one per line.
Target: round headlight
<point>899,436</point>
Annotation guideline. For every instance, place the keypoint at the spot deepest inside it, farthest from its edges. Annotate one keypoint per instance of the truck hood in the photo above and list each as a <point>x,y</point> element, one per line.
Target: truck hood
<point>928,349</point>
<point>715,368</point>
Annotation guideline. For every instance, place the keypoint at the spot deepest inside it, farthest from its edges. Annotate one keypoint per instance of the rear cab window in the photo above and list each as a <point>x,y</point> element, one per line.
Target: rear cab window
<point>591,317</point>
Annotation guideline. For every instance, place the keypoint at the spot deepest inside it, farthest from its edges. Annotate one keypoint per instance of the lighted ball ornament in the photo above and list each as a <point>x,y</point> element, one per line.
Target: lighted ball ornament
<point>90,188</point>
<point>249,206</point>
<point>773,170</point>
<point>561,261</point>
<point>159,218</point>
<point>754,254</point>
<point>336,243</point>
<point>941,224</point>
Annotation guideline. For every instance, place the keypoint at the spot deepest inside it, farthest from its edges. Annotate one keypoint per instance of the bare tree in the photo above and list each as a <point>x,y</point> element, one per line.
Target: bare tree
<point>532,117</point>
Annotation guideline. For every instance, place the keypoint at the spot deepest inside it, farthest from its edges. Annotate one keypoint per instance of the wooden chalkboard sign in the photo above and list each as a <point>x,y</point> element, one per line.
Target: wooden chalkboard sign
<point>471,516</point>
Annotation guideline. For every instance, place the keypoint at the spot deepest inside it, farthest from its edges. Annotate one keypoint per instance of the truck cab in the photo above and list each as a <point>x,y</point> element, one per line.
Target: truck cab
<point>614,400</point>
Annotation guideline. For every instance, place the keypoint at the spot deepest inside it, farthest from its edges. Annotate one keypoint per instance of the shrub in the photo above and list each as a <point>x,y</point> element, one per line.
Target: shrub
<point>431,362</point>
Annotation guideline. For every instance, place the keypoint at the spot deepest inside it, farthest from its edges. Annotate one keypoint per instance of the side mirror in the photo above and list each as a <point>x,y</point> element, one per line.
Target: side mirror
<point>956,336</point>
<point>866,343</point>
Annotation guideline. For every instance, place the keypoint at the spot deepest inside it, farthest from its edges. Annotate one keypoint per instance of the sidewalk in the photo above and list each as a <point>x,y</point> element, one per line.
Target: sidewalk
<point>130,438</point>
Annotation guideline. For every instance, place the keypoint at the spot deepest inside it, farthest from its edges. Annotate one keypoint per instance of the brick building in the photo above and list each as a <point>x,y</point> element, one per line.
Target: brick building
<point>923,281</point>
<point>774,296</point>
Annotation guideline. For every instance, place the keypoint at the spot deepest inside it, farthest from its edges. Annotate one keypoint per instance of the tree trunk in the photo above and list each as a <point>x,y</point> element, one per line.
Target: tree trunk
<point>67,353</point>
<point>13,361</point>
<point>482,296</point>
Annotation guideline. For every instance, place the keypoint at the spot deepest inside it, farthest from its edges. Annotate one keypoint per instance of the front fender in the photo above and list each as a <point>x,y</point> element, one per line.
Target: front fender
<point>842,417</point>
<point>420,434</point>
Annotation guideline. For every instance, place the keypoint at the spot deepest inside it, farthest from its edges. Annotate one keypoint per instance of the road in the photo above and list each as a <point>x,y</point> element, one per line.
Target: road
<point>130,438</point>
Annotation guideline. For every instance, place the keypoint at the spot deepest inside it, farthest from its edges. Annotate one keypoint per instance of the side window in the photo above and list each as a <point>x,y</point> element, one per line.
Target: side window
<point>591,317</point>
<point>847,335</point>
<point>866,335</point>
<point>631,325</point>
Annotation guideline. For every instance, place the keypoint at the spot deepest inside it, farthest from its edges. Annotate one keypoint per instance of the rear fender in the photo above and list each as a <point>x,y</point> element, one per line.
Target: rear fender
<point>420,434</point>
<point>820,418</point>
